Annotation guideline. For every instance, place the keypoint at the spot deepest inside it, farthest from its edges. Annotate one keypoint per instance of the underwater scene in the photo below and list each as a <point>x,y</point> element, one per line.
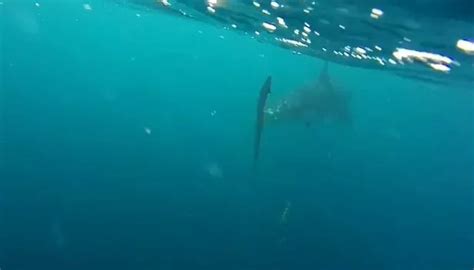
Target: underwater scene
<point>236,135</point>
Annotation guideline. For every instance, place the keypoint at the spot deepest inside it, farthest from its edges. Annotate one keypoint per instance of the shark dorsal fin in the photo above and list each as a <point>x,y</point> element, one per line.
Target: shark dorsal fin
<point>324,78</point>
<point>324,73</point>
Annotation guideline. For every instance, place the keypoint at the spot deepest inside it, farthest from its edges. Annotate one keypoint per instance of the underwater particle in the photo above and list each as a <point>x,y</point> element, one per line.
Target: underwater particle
<point>274,4</point>
<point>282,241</point>
<point>57,234</point>
<point>329,155</point>
<point>256,4</point>
<point>342,27</point>
<point>342,10</point>
<point>183,12</point>
<point>215,170</point>
<point>324,21</point>
<point>266,12</point>
<point>87,7</point>
<point>37,4</point>
<point>213,113</point>
<point>284,214</point>
<point>147,130</point>
<point>138,15</point>
<point>199,31</point>
<point>393,133</point>
<point>221,37</point>
<point>234,25</point>
<point>465,46</point>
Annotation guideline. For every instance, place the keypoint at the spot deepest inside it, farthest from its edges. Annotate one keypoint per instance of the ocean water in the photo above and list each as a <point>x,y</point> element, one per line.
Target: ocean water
<point>126,141</point>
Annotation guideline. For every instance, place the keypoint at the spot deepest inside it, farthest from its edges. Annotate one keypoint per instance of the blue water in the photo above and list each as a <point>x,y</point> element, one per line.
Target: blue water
<point>126,143</point>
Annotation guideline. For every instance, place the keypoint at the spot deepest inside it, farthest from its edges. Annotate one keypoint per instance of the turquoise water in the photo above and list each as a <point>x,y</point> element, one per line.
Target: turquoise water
<point>126,143</point>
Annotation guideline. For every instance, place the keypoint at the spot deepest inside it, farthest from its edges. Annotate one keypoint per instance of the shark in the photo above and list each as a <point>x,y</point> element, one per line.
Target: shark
<point>319,101</point>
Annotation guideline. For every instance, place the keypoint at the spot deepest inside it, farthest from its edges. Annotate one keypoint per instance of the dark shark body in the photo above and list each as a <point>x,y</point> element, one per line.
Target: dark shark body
<point>319,101</point>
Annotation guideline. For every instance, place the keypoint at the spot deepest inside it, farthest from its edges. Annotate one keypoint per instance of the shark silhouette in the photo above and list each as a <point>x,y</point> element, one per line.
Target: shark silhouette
<point>319,101</point>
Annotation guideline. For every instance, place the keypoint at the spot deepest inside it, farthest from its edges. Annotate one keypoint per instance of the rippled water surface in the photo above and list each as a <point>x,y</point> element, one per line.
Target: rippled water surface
<point>425,40</point>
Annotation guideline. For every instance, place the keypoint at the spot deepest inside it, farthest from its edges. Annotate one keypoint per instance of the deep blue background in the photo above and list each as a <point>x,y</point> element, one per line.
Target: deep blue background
<point>83,186</point>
